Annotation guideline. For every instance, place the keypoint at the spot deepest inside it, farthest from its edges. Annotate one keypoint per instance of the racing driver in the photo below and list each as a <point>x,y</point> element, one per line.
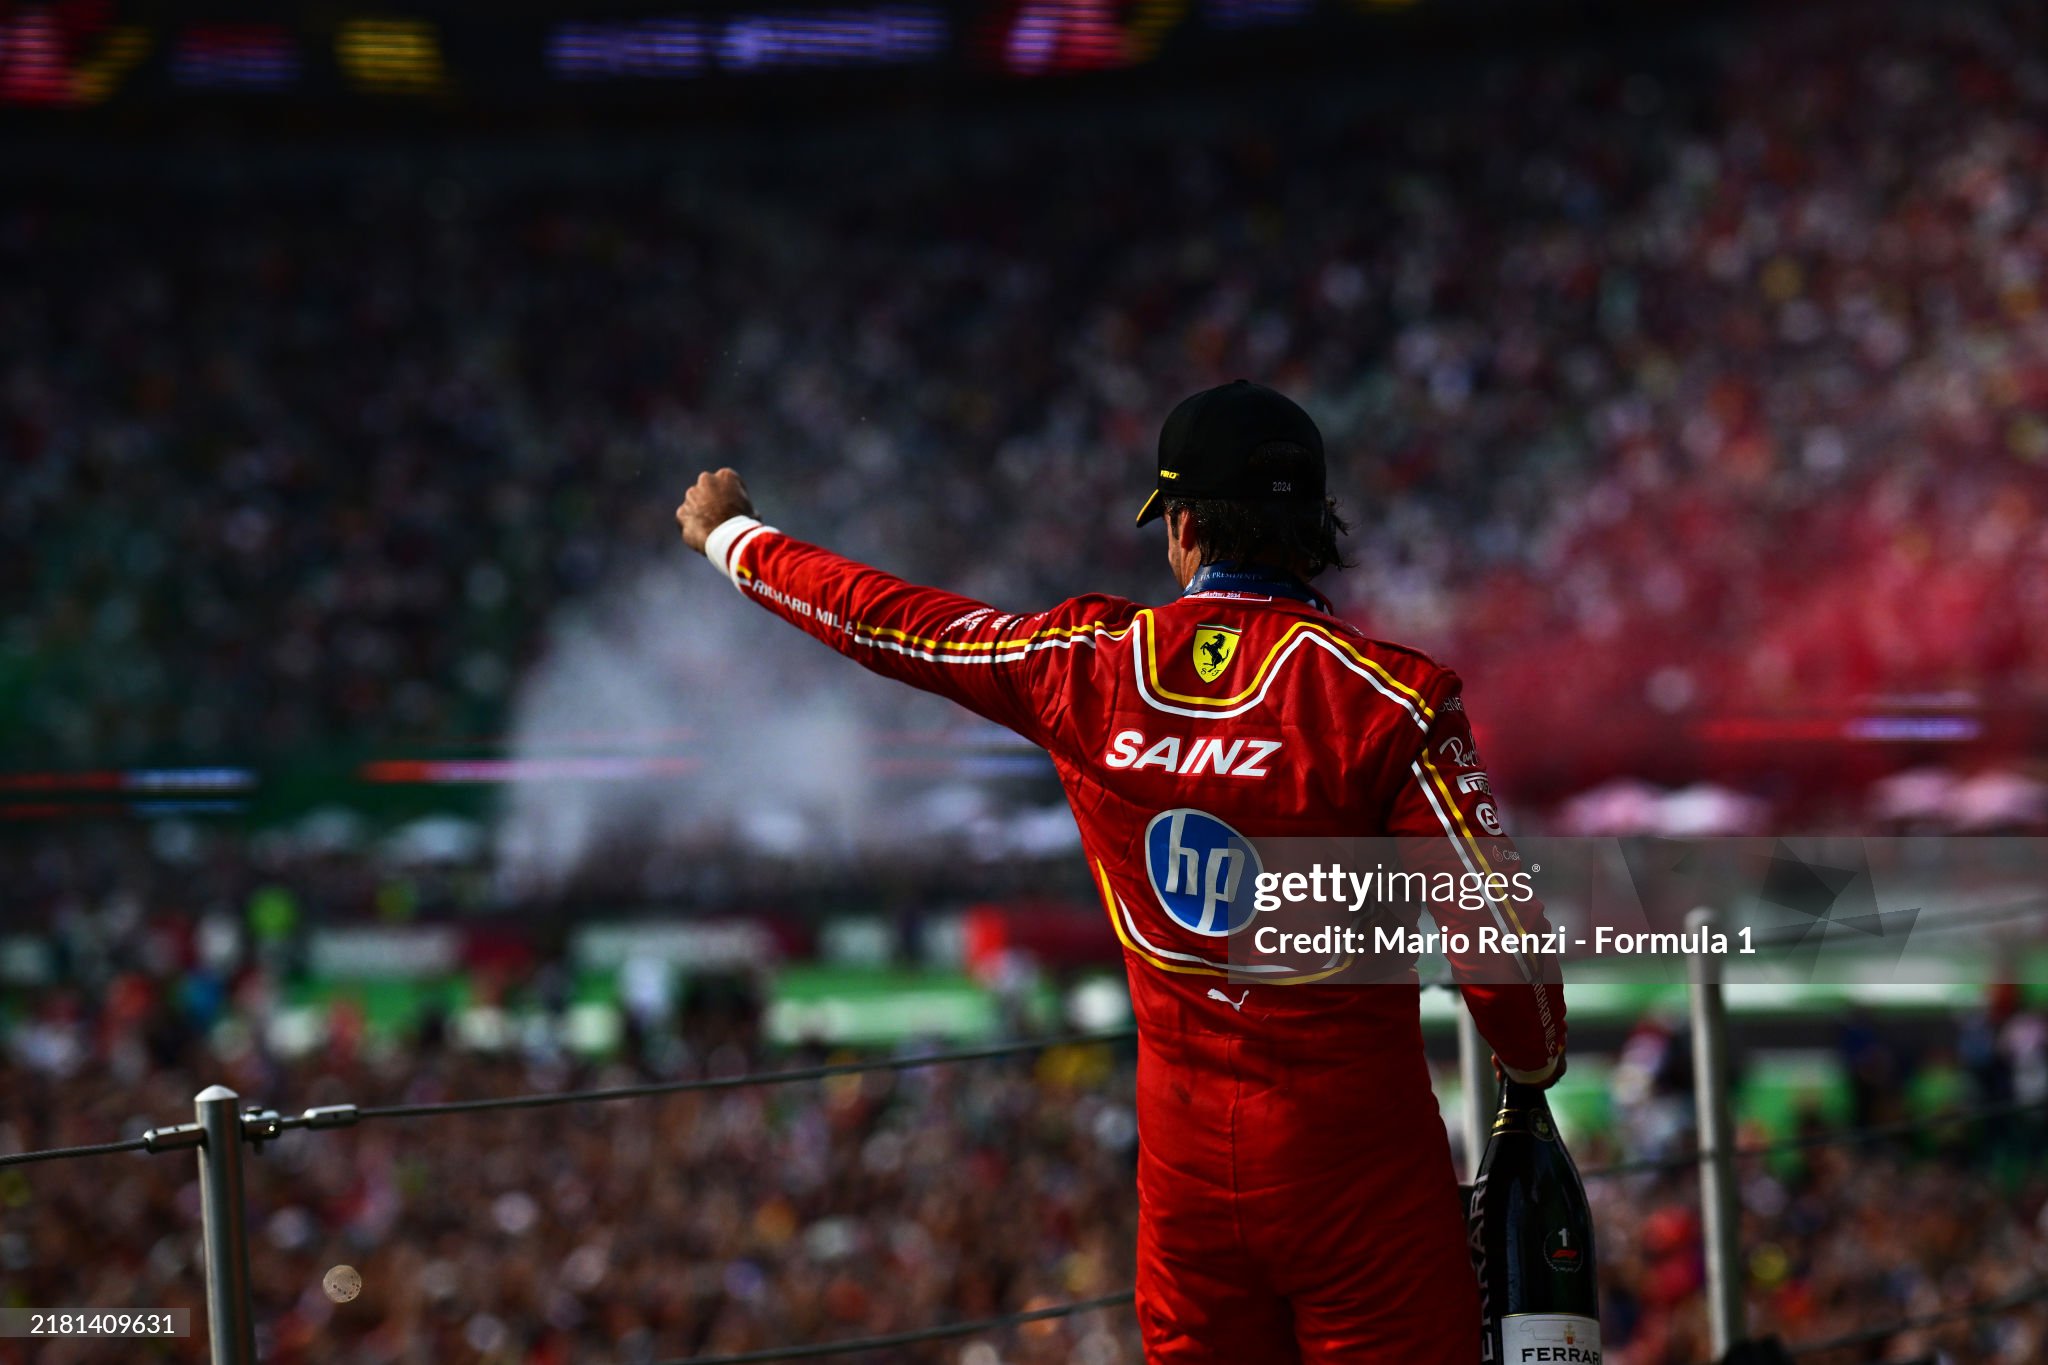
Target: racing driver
<point>1295,1189</point>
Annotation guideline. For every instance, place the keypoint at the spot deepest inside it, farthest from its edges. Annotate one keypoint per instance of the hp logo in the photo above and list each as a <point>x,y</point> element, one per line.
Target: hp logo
<point>1203,871</point>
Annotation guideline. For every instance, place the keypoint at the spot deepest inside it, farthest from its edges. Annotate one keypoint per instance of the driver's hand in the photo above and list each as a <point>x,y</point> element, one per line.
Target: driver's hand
<point>713,500</point>
<point>1540,1080</point>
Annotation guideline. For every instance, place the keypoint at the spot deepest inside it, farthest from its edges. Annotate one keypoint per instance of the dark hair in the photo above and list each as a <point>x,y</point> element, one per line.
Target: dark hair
<point>1287,533</point>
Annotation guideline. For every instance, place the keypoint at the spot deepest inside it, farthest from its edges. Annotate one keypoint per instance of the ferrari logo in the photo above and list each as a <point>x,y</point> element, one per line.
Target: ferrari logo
<point>1214,647</point>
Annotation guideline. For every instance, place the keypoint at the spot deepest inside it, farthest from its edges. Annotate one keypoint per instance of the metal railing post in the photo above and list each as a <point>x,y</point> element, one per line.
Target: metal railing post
<point>1475,1089</point>
<point>230,1326</point>
<point>1720,1210</point>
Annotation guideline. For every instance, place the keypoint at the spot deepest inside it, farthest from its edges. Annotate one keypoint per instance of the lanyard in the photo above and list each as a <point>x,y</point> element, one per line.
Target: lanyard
<point>1235,578</point>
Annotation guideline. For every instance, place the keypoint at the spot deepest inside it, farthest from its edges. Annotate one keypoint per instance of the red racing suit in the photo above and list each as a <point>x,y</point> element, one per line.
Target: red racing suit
<point>1296,1194</point>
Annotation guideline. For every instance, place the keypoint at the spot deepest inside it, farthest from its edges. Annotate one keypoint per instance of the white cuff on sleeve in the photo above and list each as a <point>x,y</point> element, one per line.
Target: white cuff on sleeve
<point>723,545</point>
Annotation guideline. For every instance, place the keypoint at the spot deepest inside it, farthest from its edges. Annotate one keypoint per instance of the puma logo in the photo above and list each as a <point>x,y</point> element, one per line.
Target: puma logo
<point>1237,1004</point>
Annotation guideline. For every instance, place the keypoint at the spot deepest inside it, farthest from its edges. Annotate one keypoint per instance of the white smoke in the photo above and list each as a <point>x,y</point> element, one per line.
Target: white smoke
<point>675,666</point>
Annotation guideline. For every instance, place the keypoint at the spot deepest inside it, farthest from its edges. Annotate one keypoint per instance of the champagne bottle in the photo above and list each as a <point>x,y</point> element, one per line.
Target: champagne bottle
<point>1532,1242</point>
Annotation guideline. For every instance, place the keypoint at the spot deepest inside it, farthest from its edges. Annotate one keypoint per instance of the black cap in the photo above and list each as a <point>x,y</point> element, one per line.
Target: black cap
<point>1215,445</point>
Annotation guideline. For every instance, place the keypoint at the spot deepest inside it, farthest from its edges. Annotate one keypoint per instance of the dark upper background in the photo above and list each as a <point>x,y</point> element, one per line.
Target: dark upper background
<point>1683,368</point>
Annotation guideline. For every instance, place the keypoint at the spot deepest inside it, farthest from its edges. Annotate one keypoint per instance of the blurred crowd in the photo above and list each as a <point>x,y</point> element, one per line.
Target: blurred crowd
<point>1662,387</point>
<point>1840,1237</point>
<point>758,1217</point>
<point>627,1233</point>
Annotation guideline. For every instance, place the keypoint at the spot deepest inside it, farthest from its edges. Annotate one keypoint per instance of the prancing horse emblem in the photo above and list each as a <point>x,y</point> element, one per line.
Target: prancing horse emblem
<point>1214,647</point>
